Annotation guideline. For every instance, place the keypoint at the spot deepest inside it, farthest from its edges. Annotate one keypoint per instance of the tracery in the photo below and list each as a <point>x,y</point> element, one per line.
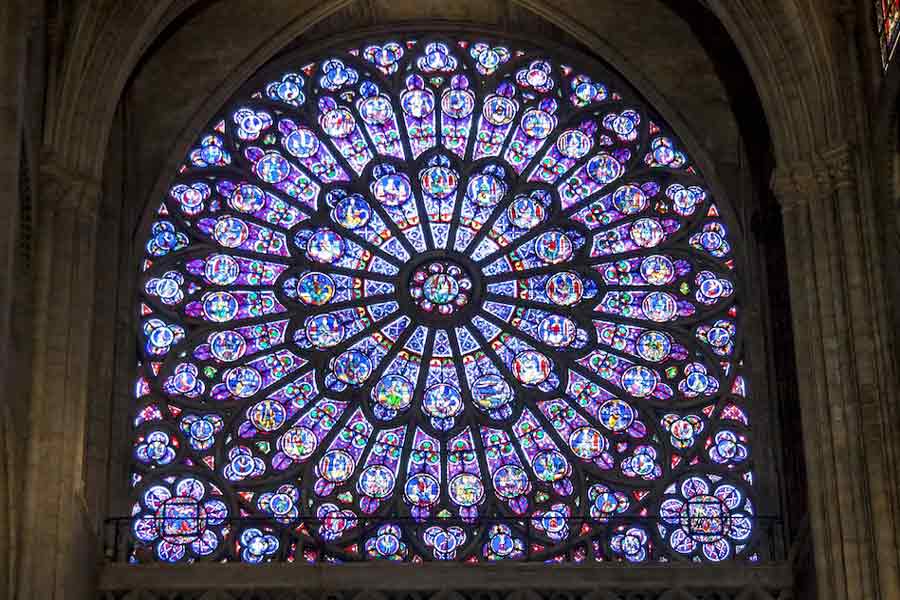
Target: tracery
<point>440,299</point>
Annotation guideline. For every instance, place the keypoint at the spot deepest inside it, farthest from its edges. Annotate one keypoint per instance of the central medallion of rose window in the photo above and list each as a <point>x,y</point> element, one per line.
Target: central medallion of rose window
<point>441,287</point>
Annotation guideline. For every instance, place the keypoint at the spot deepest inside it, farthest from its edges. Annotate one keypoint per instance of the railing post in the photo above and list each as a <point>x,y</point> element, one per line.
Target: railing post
<point>115,549</point>
<point>528,540</point>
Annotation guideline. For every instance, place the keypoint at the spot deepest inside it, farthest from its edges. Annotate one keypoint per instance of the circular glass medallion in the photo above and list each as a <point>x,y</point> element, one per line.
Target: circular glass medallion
<point>531,367</point>
<point>553,247</point>
<point>221,269</point>
<point>352,212</point>
<point>301,143</point>
<point>653,346</point>
<point>417,103</point>
<point>422,490</point>
<point>616,415</point>
<point>442,400</point>
<point>537,124</point>
<point>273,168</point>
<point>315,289</point>
<point>659,306</point>
<point>392,189</point>
<point>376,110</point>
<point>459,104</point>
<point>573,144</point>
<point>499,110</point>
<point>657,270</point>
<point>231,232</point>
<point>629,199</point>
<point>267,415</point>
<point>647,233</point>
<point>440,286</point>
<point>325,246</point>
<point>485,190</point>
<point>376,481</point>
<point>557,331</point>
<point>491,392</point>
<point>439,182</point>
<point>324,331</point>
<point>639,381</point>
<point>393,392</point>
<point>338,123</point>
<point>604,168</point>
<point>510,481</point>
<point>466,489</point>
<point>243,382</point>
<point>227,346</point>
<point>352,367</point>
<point>298,443</point>
<point>565,289</point>
<point>336,466</point>
<point>550,466</point>
<point>220,306</point>
<point>525,212</point>
<point>247,198</point>
<point>587,443</point>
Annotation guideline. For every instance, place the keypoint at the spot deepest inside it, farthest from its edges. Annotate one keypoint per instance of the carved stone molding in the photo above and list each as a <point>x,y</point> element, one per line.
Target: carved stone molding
<point>748,593</point>
<point>804,182</point>
<point>446,581</point>
<point>795,186</point>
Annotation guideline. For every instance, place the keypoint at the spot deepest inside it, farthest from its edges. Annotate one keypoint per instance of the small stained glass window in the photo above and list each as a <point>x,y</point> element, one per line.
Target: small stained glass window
<point>440,299</point>
<point>887,14</point>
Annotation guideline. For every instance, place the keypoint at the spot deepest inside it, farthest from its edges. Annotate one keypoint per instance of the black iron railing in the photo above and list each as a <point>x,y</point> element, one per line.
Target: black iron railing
<point>306,539</point>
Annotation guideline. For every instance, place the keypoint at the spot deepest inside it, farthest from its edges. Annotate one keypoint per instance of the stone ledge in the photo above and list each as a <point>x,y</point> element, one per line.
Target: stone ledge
<point>435,576</point>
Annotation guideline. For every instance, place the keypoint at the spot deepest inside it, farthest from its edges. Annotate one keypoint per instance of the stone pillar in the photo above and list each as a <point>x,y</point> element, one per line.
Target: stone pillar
<point>60,553</point>
<point>843,378</point>
<point>871,364</point>
<point>12,404</point>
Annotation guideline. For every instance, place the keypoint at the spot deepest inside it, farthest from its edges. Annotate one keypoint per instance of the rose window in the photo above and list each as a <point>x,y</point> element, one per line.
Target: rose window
<point>441,299</point>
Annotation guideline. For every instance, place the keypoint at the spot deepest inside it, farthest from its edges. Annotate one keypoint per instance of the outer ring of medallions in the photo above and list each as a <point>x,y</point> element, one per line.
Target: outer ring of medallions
<point>435,319</point>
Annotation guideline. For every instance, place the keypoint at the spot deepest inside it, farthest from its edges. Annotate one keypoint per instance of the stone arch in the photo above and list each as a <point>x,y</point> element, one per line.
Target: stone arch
<point>796,91</point>
<point>235,74</point>
<point>227,86</point>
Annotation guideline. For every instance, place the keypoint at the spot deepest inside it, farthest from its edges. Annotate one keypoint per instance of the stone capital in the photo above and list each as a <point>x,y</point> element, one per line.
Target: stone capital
<point>795,185</point>
<point>807,181</point>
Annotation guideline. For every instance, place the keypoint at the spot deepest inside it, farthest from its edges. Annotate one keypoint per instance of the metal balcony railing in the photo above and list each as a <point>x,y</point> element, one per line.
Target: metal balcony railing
<point>308,539</point>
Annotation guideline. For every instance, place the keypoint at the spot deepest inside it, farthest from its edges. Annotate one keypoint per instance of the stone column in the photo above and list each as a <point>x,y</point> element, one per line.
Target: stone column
<point>12,404</point>
<point>838,355</point>
<point>871,363</point>
<point>60,553</point>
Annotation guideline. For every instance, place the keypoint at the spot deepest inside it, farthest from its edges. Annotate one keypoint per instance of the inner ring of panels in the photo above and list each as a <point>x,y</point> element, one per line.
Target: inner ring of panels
<point>442,298</point>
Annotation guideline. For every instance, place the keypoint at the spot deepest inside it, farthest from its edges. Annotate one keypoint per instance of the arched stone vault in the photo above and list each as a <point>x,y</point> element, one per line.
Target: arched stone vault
<point>777,40</point>
<point>794,50</point>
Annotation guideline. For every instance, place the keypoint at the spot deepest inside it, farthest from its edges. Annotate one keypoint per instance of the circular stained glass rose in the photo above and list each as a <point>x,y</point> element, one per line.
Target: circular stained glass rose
<point>433,297</point>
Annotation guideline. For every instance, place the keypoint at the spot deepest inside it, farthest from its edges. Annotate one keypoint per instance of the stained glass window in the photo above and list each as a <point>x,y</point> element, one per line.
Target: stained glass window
<point>440,299</point>
<point>887,13</point>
